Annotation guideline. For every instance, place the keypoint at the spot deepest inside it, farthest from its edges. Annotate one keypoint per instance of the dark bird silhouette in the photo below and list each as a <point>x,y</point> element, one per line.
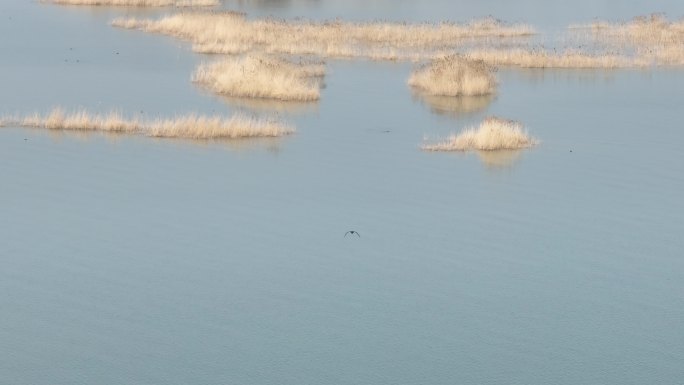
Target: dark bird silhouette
<point>352,232</point>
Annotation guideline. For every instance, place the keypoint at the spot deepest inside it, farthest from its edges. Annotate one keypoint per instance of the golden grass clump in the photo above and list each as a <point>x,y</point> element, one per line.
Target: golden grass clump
<point>537,58</point>
<point>140,3</point>
<point>232,33</point>
<point>262,77</point>
<point>189,126</point>
<point>492,134</point>
<point>454,75</point>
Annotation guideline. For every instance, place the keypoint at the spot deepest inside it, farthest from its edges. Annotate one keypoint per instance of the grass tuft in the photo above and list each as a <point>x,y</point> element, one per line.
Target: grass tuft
<point>492,134</point>
<point>262,77</point>
<point>454,75</point>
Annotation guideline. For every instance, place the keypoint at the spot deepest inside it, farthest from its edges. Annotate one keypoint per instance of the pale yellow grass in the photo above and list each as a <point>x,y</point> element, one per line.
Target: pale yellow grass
<point>140,3</point>
<point>231,33</point>
<point>454,76</point>
<point>538,58</point>
<point>492,134</point>
<point>262,77</point>
<point>189,126</point>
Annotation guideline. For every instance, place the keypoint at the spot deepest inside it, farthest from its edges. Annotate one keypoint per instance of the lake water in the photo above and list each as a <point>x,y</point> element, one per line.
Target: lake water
<point>128,260</point>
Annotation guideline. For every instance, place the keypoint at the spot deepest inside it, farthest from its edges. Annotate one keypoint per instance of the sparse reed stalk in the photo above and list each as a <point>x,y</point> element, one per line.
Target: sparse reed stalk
<point>191,126</point>
<point>140,3</point>
<point>233,33</point>
<point>262,77</point>
<point>492,134</point>
<point>454,76</point>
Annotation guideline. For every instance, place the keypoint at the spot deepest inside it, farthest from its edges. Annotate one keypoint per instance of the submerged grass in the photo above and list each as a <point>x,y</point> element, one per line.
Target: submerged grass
<point>454,106</point>
<point>454,75</point>
<point>232,33</point>
<point>191,126</point>
<point>262,77</point>
<point>492,134</point>
<point>140,3</point>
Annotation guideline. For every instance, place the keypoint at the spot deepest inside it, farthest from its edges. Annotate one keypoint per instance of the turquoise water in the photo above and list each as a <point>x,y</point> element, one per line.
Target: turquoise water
<point>128,260</point>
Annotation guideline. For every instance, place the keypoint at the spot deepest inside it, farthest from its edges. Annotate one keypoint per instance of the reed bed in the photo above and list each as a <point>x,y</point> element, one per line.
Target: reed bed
<point>233,33</point>
<point>191,126</point>
<point>262,77</point>
<point>492,134</point>
<point>454,75</point>
<point>539,58</point>
<point>140,3</point>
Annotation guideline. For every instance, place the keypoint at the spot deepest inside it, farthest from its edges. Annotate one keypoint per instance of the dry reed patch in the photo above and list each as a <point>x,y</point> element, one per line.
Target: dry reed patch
<point>57,119</point>
<point>652,38</point>
<point>538,58</point>
<point>643,30</point>
<point>262,77</point>
<point>230,32</point>
<point>189,126</point>
<point>200,127</point>
<point>454,76</point>
<point>140,3</point>
<point>492,134</point>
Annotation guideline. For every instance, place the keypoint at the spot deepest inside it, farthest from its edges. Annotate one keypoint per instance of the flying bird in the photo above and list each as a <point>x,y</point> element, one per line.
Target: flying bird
<point>352,232</point>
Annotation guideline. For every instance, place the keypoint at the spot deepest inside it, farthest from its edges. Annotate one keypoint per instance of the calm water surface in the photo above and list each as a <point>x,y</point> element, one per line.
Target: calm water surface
<point>128,260</point>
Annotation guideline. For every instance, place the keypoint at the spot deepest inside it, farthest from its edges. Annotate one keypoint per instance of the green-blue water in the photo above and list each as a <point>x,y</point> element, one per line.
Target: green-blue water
<point>128,260</point>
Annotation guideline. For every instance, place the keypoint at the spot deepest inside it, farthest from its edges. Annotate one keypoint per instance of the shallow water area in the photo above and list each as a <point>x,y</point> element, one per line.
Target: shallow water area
<point>128,259</point>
